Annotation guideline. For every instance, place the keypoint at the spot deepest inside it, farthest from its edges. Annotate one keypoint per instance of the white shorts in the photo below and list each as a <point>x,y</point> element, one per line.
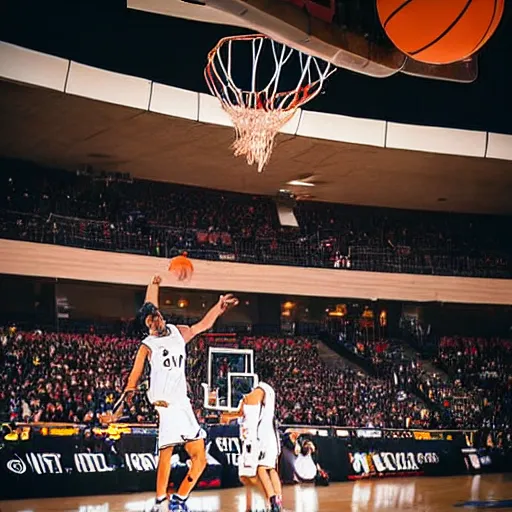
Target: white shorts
<point>248,460</point>
<point>270,448</point>
<point>177,425</point>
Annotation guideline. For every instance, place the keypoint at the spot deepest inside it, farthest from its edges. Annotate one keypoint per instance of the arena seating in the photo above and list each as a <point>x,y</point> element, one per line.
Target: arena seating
<point>74,378</point>
<point>313,393</point>
<point>477,390</point>
<point>144,217</point>
<point>64,377</point>
<point>484,368</point>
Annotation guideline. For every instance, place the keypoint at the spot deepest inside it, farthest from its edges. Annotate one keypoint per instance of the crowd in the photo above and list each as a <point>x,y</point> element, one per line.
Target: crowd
<point>390,359</point>
<point>161,219</point>
<point>64,377</point>
<point>483,367</point>
<point>476,389</point>
<point>312,392</point>
<point>75,378</point>
<point>379,239</point>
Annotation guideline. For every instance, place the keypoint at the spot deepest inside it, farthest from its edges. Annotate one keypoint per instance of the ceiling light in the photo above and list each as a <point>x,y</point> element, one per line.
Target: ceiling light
<point>299,183</point>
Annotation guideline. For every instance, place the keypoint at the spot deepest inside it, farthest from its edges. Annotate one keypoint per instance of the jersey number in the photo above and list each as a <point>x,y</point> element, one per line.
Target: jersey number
<point>172,361</point>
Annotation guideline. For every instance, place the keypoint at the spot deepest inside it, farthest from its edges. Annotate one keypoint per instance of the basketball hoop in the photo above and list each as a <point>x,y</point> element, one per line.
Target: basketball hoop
<point>259,111</point>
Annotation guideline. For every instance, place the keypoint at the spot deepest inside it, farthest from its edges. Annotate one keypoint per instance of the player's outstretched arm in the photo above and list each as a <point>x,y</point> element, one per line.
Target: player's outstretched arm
<point>131,386</point>
<point>255,397</point>
<point>153,289</point>
<point>228,416</point>
<point>137,369</point>
<point>224,303</point>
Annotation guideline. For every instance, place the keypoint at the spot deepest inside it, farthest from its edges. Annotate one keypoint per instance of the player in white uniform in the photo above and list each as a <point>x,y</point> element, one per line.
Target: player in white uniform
<point>257,464</point>
<point>269,447</point>
<point>164,348</point>
<point>249,456</point>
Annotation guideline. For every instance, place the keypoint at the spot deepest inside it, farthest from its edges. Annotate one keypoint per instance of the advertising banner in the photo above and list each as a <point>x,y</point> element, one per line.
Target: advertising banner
<point>57,461</point>
<point>366,455</point>
<point>94,463</point>
<point>403,457</point>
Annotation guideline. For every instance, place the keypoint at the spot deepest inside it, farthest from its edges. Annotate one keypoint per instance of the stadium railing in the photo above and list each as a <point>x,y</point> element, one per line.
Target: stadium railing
<point>287,248</point>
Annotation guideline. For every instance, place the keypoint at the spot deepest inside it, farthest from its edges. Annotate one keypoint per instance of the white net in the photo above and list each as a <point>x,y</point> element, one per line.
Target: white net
<point>268,100</point>
<point>255,130</point>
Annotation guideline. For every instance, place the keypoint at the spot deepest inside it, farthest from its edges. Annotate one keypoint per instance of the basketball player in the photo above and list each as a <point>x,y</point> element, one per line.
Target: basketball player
<point>164,348</point>
<point>269,447</point>
<point>248,414</point>
<point>258,468</point>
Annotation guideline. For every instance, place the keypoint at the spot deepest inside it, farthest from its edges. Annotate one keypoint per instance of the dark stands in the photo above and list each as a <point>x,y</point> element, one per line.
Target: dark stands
<point>160,219</point>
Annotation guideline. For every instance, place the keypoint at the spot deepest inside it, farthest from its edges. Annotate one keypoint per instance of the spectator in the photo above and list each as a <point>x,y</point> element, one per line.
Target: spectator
<point>162,219</point>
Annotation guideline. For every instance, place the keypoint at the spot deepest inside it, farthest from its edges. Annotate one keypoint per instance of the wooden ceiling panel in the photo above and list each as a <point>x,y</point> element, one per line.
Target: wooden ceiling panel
<point>68,131</point>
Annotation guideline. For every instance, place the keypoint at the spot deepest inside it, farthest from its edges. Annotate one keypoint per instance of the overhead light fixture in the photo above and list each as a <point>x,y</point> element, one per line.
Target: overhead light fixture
<point>300,183</point>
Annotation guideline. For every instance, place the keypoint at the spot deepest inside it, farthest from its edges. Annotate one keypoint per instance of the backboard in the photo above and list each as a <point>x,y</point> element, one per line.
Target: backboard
<point>229,370</point>
<point>239,384</point>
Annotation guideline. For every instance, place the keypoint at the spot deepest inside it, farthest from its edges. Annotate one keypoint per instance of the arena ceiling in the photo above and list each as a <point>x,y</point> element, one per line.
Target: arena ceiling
<point>67,131</point>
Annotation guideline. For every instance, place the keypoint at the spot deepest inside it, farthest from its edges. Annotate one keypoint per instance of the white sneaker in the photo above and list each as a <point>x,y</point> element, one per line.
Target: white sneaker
<point>162,506</point>
<point>177,505</point>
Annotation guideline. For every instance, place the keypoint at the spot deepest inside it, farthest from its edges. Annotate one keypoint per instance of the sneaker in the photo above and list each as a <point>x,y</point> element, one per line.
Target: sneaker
<point>160,506</point>
<point>177,504</point>
<point>276,504</point>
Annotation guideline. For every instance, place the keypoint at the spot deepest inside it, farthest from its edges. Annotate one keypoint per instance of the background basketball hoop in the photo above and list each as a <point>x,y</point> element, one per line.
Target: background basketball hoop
<point>260,108</point>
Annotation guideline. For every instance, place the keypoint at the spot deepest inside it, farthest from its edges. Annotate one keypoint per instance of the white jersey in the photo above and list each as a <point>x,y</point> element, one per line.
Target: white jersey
<point>249,422</point>
<point>268,410</point>
<point>249,453</point>
<point>167,381</point>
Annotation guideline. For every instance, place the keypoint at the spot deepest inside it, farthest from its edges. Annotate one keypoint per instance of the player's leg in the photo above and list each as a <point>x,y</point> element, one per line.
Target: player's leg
<point>256,483</point>
<point>266,483</point>
<point>248,470</point>
<point>248,492</point>
<point>248,498</point>
<point>251,482</point>
<point>166,442</point>
<point>187,428</point>
<point>163,473</point>
<point>269,453</point>
<point>274,498</point>
<point>276,482</point>
<point>197,453</point>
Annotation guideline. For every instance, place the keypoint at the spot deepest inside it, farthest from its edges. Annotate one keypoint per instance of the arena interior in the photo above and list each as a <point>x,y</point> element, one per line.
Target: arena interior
<point>371,259</point>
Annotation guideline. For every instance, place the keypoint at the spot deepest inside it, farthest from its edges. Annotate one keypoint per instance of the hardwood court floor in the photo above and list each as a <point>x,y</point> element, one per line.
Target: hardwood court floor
<point>412,494</point>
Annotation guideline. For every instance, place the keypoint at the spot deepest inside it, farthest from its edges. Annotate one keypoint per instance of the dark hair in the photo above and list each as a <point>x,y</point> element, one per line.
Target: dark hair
<point>265,372</point>
<point>147,309</point>
<point>243,387</point>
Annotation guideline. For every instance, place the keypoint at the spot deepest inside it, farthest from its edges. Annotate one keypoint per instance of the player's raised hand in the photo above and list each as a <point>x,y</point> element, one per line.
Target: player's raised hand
<point>156,279</point>
<point>227,301</point>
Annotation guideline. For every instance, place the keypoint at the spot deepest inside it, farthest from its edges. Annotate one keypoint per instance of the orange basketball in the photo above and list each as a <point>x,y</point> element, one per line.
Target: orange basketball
<point>440,31</point>
<point>181,267</point>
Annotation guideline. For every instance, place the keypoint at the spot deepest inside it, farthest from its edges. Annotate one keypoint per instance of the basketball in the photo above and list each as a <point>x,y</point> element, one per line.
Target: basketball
<point>181,267</point>
<point>440,31</point>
